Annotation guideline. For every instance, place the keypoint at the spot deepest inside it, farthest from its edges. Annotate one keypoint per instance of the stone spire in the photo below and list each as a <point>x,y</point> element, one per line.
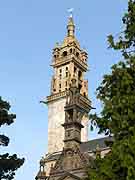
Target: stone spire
<point>68,105</point>
<point>70,27</point>
<point>70,38</point>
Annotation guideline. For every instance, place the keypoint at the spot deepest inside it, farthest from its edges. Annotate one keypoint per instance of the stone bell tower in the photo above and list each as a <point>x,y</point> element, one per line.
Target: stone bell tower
<point>68,155</point>
<point>68,61</point>
<point>68,108</point>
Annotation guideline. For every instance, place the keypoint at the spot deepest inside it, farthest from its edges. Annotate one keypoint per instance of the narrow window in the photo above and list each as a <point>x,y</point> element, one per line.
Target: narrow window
<point>79,75</point>
<point>65,53</point>
<point>77,54</point>
<point>60,70</point>
<point>75,69</point>
<point>80,87</point>
<point>71,51</point>
<point>60,76</point>
<point>66,68</point>
<point>66,74</point>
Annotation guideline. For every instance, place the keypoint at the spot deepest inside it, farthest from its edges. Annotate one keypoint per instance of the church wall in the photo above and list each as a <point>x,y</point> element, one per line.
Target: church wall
<point>56,116</point>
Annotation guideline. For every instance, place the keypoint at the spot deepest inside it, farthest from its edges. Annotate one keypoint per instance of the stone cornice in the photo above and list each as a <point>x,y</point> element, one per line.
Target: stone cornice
<point>54,97</point>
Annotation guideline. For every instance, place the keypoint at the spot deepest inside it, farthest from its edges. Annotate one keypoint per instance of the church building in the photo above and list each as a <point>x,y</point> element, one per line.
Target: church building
<point>69,151</point>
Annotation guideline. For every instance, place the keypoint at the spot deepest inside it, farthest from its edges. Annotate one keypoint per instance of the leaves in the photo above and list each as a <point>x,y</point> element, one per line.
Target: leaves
<point>117,117</point>
<point>5,117</point>
<point>4,140</point>
<point>8,164</point>
<point>126,41</point>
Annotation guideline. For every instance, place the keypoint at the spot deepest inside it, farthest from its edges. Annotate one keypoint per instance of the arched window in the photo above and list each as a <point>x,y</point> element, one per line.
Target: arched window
<point>77,54</point>
<point>66,74</point>
<point>60,70</point>
<point>65,53</point>
<point>71,50</point>
<point>60,76</point>
<point>79,87</point>
<point>80,75</point>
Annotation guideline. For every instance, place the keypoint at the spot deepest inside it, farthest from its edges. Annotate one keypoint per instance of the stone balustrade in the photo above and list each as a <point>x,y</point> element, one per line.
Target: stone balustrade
<point>55,96</point>
<point>72,57</point>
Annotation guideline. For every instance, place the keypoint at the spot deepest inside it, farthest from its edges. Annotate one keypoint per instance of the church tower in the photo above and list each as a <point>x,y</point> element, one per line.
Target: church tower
<point>68,60</point>
<point>69,151</point>
<point>68,107</point>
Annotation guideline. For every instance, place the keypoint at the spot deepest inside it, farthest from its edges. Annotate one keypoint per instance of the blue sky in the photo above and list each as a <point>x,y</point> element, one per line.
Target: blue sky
<point>29,30</point>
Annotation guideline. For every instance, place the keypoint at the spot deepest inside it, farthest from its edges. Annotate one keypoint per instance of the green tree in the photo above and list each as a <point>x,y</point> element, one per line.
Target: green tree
<point>117,117</point>
<point>8,164</point>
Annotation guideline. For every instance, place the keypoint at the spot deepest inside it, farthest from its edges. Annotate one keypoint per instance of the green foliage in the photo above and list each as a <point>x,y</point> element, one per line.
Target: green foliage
<point>8,164</point>
<point>117,117</point>
<point>126,40</point>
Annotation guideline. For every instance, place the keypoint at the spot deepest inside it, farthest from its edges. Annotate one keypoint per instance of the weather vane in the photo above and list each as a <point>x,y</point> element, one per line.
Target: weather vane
<point>71,12</point>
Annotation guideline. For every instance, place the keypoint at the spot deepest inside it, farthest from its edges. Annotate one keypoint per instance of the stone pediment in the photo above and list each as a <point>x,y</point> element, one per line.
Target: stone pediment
<point>69,176</point>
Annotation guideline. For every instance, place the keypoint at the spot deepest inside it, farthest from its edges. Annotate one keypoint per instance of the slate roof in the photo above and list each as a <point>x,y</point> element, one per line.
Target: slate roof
<point>89,146</point>
<point>53,157</point>
<point>92,144</point>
